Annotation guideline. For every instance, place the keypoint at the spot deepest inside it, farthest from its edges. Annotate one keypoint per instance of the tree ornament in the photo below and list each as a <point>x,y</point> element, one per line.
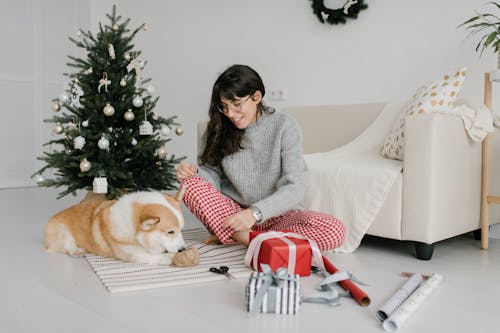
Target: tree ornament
<point>126,56</point>
<point>103,82</point>
<point>89,70</point>
<point>146,128</point>
<point>85,165</point>
<point>56,107</point>
<point>123,82</point>
<point>115,27</point>
<point>129,115</point>
<point>58,128</point>
<point>85,123</point>
<point>110,129</point>
<point>111,51</point>
<point>179,130</point>
<point>133,142</point>
<point>103,143</point>
<point>165,130</point>
<point>76,93</point>
<point>154,116</point>
<point>150,89</point>
<point>38,178</point>
<point>79,142</point>
<point>350,9</point>
<point>72,126</point>
<point>145,27</point>
<point>161,152</point>
<point>68,151</point>
<point>100,185</point>
<point>64,98</point>
<point>137,101</point>
<point>108,110</point>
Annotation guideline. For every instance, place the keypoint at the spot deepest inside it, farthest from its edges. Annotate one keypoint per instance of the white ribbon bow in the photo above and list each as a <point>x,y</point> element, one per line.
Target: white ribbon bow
<point>252,255</point>
<point>104,82</point>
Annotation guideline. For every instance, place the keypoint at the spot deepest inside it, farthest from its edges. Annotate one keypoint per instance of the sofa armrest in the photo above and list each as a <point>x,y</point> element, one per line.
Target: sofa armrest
<point>327,127</point>
<point>441,179</point>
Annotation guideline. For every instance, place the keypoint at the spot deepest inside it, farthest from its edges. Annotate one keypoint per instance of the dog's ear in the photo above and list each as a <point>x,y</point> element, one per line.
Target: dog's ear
<point>180,194</point>
<point>149,222</point>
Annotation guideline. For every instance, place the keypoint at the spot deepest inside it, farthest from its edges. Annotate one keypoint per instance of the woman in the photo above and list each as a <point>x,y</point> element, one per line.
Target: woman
<point>251,173</point>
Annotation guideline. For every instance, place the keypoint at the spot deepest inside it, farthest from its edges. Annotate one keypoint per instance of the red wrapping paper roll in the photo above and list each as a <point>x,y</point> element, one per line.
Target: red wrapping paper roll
<point>359,295</point>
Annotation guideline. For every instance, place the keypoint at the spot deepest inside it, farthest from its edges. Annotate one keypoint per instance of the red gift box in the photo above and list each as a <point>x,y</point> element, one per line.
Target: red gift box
<point>275,252</point>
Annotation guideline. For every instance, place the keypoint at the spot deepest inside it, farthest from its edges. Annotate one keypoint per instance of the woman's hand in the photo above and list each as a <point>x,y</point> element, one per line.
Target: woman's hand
<point>185,170</point>
<point>242,221</point>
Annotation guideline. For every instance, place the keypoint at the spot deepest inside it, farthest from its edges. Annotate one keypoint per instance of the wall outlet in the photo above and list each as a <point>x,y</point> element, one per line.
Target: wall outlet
<point>277,94</point>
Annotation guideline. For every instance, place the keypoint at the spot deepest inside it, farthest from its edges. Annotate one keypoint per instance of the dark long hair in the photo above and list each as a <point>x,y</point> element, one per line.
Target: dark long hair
<point>223,138</point>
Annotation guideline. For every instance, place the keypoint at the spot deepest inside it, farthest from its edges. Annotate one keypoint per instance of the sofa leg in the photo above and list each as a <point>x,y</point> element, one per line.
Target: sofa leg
<point>424,251</point>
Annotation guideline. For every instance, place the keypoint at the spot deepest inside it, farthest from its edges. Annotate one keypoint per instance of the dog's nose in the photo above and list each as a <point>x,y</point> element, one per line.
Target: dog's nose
<point>181,249</point>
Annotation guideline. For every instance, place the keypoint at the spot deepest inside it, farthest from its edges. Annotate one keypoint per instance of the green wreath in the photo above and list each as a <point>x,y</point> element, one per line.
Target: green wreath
<point>350,9</point>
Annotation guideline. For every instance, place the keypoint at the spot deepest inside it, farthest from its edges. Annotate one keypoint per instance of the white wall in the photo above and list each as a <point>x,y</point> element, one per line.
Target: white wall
<point>34,53</point>
<point>390,50</point>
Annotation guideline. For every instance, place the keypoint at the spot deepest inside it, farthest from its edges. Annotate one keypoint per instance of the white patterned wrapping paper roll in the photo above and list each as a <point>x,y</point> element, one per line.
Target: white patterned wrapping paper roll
<point>399,297</point>
<point>397,319</point>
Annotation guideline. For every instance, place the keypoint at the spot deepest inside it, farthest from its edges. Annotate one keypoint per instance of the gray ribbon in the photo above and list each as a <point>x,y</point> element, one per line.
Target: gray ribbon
<point>270,279</point>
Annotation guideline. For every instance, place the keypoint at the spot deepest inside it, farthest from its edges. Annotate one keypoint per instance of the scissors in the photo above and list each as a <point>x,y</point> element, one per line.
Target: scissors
<point>222,270</point>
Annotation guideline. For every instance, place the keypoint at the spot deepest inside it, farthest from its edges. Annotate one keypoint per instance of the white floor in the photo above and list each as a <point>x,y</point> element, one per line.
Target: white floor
<point>41,292</point>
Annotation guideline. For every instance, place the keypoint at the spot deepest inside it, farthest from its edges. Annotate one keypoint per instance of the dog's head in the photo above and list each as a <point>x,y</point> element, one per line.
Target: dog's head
<point>152,219</point>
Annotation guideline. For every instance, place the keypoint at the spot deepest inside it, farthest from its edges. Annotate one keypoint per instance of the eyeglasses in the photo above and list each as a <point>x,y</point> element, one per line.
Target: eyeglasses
<point>234,105</point>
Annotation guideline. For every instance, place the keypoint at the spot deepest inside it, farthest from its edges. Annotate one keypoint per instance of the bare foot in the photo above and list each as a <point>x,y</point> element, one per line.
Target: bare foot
<point>212,240</point>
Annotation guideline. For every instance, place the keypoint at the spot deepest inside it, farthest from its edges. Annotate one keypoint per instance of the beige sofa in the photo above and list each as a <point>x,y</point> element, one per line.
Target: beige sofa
<point>438,194</point>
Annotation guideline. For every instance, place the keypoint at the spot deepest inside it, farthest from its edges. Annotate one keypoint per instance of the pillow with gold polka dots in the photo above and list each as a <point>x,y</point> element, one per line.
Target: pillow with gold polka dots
<point>439,95</point>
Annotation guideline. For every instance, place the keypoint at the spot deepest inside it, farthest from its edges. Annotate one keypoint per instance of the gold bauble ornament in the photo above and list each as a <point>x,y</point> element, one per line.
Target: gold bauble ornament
<point>56,107</point>
<point>129,115</point>
<point>123,82</point>
<point>179,130</point>
<point>58,128</point>
<point>108,110</point>
<point>85,165</point>
<point>161,152</point>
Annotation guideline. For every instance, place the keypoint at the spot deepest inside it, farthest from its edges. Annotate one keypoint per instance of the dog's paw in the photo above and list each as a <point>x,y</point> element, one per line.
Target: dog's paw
<point>77,252</point>
<point>187,258</point>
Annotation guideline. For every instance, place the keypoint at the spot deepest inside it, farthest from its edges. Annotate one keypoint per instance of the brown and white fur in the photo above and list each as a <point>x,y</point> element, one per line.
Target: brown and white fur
<point>141,227</point>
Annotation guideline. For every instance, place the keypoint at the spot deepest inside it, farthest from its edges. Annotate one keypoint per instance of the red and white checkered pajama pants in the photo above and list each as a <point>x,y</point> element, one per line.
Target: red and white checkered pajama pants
<point>212,208</point>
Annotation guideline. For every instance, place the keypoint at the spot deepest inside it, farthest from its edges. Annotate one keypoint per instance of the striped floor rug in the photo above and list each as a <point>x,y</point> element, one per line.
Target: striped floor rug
<point>118,276</point>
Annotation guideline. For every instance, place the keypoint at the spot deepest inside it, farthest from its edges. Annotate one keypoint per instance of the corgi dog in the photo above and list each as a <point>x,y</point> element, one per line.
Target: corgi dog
<point>140,227</point>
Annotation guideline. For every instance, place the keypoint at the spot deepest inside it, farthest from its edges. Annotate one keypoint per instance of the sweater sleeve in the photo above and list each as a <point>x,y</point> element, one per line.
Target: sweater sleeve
<point>291,186</point>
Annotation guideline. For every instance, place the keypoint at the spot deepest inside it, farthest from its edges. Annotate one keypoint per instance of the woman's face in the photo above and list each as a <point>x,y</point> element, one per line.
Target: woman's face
<point>242,111</point>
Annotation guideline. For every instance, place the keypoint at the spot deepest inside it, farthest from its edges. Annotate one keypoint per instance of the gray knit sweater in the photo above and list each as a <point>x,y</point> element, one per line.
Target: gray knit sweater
<point>269,172</point>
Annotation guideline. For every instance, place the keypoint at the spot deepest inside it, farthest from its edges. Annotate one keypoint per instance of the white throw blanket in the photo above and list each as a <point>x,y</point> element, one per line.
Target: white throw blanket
<point>357,179</point>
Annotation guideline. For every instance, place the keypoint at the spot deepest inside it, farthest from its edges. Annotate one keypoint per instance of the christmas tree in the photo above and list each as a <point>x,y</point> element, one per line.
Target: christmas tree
<point>108,138</point>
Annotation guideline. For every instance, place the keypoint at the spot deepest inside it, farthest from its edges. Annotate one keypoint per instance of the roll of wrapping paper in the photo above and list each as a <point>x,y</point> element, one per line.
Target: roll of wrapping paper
<point>359,295</point>
<point>399,297</point>
<point>413,302</point>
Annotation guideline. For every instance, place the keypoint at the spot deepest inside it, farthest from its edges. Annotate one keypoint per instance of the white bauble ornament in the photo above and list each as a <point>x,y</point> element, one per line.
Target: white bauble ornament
<point>85,165</point>
<point>89,70</point>
<point>64,98</point>
<point>38,178</point>
<point>123,82</point>
<point>137,101</point>
<point>58,128</point>
<point>110,129</point>
<point>85,123</point>
<point>103,143</point>
<point>115,27</point>
<point>129,115</point>
<point>165,130</point>
<point>126,56</point>
<point>179,130</point>
<point>161,152</point>
<point>133,142</point>
<point>108,110</point>
<point>150,89</point>
<point>79,142</point>
<point>56,107</point>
